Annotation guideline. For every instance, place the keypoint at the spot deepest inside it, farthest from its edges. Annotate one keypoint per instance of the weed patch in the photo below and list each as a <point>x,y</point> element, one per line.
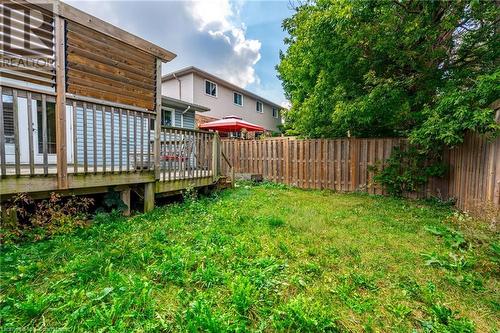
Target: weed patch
<point>259,259</point>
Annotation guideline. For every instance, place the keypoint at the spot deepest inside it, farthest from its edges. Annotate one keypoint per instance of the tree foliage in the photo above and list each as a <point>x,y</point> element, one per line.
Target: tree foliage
<point>423,69</point>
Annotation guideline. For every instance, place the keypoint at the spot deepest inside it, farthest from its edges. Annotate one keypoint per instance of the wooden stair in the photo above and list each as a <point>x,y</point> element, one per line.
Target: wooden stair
<point>224,182</point>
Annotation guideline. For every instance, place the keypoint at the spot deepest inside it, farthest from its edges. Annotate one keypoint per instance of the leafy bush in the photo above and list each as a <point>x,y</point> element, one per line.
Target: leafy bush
<point>423,69</point>
<point>407,170</point>
<point>45,218</point>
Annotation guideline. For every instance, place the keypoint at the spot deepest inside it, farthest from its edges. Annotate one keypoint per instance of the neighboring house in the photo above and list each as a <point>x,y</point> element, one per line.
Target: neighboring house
<point>224,99</point>
<point>177,113</point>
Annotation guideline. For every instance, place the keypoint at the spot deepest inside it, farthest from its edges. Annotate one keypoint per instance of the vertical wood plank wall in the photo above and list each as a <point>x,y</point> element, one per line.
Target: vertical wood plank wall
<point>345,165</point>
<point>474,174</point>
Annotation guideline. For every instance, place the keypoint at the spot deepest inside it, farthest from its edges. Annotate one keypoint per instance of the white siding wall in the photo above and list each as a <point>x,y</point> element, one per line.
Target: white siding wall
<point>222,105</point>
<point>170,88</point>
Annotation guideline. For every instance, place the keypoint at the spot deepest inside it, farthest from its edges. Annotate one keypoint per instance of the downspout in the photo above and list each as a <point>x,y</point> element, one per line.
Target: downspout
<point>180,86</point>
<point>183,112</point>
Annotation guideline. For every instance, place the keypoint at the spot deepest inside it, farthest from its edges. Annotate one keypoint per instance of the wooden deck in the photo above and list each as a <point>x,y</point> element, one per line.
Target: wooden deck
<point>98,105</point>
<point>169,180</point>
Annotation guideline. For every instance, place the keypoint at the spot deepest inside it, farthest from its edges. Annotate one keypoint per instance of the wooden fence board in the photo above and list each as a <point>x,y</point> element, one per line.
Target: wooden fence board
<point>473,178</point>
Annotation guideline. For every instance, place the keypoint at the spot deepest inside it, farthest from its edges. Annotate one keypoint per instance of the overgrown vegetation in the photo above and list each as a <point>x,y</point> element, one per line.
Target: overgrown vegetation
<point>44,218</point>
<point>427,70</point>
<point>261,258</point>
<point>407,170</point>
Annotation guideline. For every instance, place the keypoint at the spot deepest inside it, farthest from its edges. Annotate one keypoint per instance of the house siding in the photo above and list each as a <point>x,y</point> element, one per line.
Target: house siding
<point>171,88</point>
<point>96,134</point>
<point>222,105</point>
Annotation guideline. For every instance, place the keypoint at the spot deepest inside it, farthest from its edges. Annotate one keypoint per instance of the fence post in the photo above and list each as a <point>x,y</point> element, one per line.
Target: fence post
<point>60,107</point>
<point>286,156</point>
<point>237,154</point>
<point>353,154</point>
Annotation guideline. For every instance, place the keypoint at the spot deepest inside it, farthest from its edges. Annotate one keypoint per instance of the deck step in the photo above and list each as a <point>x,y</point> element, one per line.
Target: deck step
<point>224,182</point>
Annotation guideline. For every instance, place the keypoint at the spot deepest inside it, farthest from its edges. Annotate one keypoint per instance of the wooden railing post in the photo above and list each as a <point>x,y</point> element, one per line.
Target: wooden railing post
<point>157,137</point>
<point>60,107</point>
<point>216,156</point>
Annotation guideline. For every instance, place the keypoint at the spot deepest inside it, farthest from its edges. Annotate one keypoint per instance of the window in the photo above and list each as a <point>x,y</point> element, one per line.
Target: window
<point>210,88</point>
<point>275,113</point>
<point>166,118</point>
<point>238,99</point>
<point>51,127</point>
<point>8,118</point>
<point>259,107</point>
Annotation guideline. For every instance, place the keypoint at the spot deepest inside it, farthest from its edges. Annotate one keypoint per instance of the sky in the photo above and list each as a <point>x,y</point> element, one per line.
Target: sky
<point>237,40</point>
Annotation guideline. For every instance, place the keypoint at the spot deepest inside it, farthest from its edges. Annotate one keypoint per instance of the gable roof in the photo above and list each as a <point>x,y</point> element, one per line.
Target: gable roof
<point>216,79</point>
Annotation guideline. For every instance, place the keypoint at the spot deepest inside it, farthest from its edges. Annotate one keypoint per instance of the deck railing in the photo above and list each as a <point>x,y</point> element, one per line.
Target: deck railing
<point>109,139</point>
<point>27,137</point>
<point>185,154</point>
<point>101,139</point>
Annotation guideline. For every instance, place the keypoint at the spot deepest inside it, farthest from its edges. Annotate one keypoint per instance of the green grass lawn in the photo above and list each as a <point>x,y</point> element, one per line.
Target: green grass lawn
<point>261,258</point>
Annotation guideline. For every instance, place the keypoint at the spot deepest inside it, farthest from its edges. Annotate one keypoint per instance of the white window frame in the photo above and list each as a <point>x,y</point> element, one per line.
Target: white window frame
<point>237,93</point>
<point>216,88</point>
<point>274,109</point>
<point>261,107</point>
<point>172,115</point>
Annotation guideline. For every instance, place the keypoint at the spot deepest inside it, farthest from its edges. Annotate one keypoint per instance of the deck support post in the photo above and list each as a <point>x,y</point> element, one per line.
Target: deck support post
<point>149,197</point>
<point>125,197</point>
<point>60,107</point>
<point>157,137</point>
<point>8,216</point>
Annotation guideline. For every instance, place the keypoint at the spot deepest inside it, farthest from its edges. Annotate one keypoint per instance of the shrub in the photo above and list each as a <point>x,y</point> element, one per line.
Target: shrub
<point>407,170</point>
<point>45,218</point>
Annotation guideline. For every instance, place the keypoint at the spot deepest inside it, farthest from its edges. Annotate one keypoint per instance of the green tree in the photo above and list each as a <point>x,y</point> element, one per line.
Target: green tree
<point>423,69</point>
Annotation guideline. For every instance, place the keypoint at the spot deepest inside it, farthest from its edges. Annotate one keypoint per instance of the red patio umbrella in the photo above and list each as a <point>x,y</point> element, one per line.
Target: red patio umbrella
<point>231,124</point>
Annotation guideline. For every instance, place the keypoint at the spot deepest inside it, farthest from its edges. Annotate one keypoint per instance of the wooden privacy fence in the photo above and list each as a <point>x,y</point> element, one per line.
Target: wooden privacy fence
<point>345,165</point>
<point>341,165</point>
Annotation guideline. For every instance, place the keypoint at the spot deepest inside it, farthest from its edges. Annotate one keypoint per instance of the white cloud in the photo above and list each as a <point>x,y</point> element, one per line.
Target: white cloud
<point>221,21</point>
<point>286,104</point>
<point>207,33</point>
<point>214,13</point>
